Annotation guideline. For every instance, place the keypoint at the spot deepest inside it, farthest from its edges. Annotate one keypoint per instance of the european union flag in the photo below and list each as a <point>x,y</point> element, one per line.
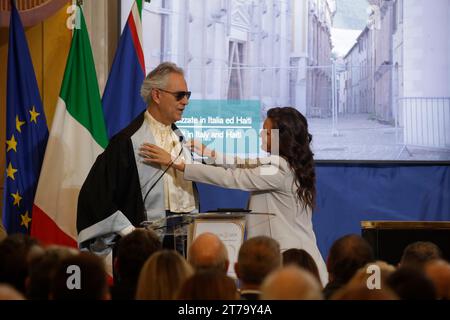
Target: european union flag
<point>26,132</point>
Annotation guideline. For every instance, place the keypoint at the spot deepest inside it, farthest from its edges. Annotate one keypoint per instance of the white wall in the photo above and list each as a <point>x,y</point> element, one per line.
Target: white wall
<point>125,7</point>
<point>427,48</point>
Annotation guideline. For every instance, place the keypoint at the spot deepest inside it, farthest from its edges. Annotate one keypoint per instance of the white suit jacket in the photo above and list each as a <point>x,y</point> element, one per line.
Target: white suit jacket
<point>273,190</point>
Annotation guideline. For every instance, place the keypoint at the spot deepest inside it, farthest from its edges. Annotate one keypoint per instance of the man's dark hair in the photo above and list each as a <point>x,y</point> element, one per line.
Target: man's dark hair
<point>347,255</point>
<point>257,257</point>
<point>41,271</point>
<point>411,284</point>
<point>133,250</point>
<point>92,277</point>
<point>417,254</point>
<point>15,252</point>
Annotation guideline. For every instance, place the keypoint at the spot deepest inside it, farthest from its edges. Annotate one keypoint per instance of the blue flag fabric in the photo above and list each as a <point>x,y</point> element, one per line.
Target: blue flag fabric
<point>121,100</point>
<point>26,132</point>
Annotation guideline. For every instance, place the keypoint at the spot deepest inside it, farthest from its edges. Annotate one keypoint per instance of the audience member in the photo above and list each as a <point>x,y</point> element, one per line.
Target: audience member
<point>301,258</point>
<point>133,250</point>
<point>362,275</point>
<point>16,251</point>
<point>209,285</point>
<point>162,275</point>
<point>291,283</point>
<point>80,277</point>
<point>362,292</point>
<point>208,252</point>
<point>346,256</point>
<point>417,254</point>
<point>42,269</point>
<point>9,293</point>
<point>257,257</point>
<point>411,284</point>
<point>438,271</point>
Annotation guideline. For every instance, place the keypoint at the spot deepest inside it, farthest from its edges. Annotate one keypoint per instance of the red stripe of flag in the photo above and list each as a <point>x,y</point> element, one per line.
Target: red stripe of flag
<point>137,44</point>
<point>48,232</point>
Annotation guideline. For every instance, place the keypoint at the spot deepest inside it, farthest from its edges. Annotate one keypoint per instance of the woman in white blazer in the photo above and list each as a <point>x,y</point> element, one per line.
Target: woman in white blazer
<point>282,184</point>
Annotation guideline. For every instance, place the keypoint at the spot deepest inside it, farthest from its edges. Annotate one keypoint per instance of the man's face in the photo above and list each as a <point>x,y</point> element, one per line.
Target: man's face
<point>171,109</point>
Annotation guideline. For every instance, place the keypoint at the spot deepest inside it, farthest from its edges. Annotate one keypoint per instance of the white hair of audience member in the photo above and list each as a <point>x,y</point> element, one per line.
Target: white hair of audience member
<point>9,293</point>
<point>291,283</point>
<point>208,252</point>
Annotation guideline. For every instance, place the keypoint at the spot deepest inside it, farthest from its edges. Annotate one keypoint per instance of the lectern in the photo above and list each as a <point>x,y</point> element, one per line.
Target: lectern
<point>389,238</point>
<point>229,227</point>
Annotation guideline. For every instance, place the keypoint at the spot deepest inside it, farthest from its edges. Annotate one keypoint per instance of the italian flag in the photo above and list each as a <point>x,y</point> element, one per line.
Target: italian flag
<point>77,137</point>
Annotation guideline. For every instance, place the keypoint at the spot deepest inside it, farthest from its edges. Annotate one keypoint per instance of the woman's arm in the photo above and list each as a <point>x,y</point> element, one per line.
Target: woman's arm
<point>265,177</point>
<point>220,159</point>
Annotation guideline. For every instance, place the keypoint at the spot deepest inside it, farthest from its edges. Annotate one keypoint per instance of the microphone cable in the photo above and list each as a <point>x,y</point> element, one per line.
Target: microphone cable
<point>162,175</point>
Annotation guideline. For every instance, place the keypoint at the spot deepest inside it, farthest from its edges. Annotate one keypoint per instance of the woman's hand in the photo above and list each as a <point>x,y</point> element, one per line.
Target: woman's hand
<point>153,154</point>
<point>200,149</point>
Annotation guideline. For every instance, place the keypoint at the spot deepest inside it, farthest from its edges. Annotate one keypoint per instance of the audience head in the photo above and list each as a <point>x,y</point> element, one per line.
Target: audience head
<point>363,274</point>
<point>209,285</point>
<point>417,254</point>
<point>133,250</point>
<point>42,269</point>
<point>438,271</point>
<point>162,276</point>
<point>9,293</point>
<point>16,251</point>
<point>208,252</point>
<point>86,273</point>
<point>411,284</point>
<point>257,257</point>
<point>291,283</point>
<point>302,259</point>
<point>346,256</point>
<point>362,292</point>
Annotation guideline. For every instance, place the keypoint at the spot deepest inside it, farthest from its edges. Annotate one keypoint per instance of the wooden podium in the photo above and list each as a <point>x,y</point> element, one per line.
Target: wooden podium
<point>389,238</point>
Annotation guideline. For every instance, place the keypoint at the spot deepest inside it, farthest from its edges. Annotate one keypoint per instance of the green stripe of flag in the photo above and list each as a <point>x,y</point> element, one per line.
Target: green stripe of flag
<point>139,5</point>
<point>79,89</point>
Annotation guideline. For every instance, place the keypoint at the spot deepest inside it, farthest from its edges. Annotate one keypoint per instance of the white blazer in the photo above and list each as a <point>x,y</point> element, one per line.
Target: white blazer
<point>273,190</point>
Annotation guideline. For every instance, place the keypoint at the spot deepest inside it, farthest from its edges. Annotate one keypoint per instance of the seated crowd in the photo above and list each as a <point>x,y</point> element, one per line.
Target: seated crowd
<point>143,270</point>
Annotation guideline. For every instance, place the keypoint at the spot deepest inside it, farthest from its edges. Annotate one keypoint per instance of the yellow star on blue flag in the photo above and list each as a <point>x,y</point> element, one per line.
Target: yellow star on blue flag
<point>25,220</point>
<point>10,171</point>
<point>26,145</point>
<point>19,124</point>
<point>34,115</point>
<point>17,198</point>
<point>12,144</point>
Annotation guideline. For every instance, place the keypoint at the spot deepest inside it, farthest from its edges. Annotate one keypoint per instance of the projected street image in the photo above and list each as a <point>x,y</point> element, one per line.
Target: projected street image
<point>372,77</point>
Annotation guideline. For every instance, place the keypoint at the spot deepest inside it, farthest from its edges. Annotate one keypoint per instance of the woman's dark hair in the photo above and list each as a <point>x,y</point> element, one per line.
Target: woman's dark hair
<point>294,146</point>
<point>303,259</point>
